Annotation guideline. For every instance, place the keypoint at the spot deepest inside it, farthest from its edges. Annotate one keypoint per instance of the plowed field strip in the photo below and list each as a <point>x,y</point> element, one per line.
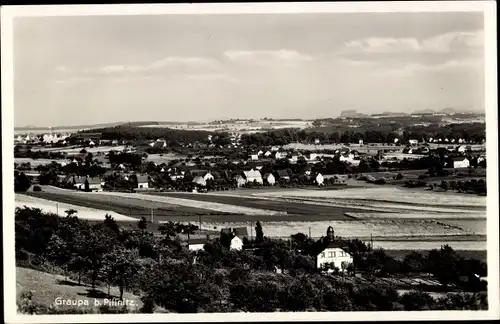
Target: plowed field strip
<point>292,208</point>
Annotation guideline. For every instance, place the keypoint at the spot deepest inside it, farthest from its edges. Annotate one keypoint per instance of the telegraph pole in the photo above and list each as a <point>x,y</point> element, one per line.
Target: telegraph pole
<point>57,208</point>
<point>309,232</point>
<point>152,212</point>
<point>199,218</point>
<point>251,231</point>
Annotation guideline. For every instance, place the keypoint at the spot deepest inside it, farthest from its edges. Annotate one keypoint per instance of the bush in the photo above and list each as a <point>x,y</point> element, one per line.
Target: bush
<point>37,188</point>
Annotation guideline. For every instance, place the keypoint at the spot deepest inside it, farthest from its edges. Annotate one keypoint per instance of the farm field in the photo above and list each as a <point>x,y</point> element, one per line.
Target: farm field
<point>309,212</point>
<point>392,230</point>
<point>36,162</point>
<point>56,207</point>
<point>134,208</point>
<point>391,195</point>
<point>164,158</point>
<point>75,150</point>
<point>469,254</point>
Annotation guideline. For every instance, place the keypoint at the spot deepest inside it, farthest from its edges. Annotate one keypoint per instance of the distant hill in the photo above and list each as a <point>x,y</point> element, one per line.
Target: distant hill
<point>351,113</point>
<point>75,127</point>
<point>389,113</point>
<point>424,111</point>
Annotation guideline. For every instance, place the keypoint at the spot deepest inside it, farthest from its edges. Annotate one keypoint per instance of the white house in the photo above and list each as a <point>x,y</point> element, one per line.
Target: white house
<point>462,149</point>
<point>196,244</point>
<point>413,142</point>
<point>270,179</point>
<point>316,141</point>
<point>177,175</point>
<point>260,153</point>
<point>240,181</point>
<point>460,162</point>
<point>268,154</point>
<point>314,156</point>
<point>238,234</point>
<point>253,176</point>
<point>319,179</point>
<point>280,155</point>
<point>142,182</point>
<point>208,176</point>
<point>200,181</point>
<point>274,148</point>
<point>254,157</point>
<point>333,254</point>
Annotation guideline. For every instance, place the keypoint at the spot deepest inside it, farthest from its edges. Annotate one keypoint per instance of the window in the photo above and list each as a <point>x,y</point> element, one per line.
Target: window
<point>331,254</point>
<point>323,254</point>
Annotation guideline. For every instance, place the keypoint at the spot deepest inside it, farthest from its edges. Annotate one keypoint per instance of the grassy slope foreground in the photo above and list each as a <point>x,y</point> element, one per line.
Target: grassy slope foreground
<point>47,287</point>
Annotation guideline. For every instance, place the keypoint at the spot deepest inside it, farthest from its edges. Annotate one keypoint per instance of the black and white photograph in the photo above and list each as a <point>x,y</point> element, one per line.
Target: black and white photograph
<point>249,162</point>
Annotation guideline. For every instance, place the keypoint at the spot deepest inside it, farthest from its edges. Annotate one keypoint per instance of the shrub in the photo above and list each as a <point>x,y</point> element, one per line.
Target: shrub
<point>37,188</point>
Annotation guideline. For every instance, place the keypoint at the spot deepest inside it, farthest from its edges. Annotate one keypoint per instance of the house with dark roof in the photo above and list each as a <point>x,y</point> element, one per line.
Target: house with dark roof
<point>196,244</point>
<point>283,175</point>
<point>80,183</point>
<point>459,162</point>
<point>238,234</point>
<point>142,182</point>
<point>330,254</point>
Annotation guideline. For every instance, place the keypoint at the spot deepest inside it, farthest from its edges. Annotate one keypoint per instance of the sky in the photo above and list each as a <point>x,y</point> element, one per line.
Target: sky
<point>96,69</point>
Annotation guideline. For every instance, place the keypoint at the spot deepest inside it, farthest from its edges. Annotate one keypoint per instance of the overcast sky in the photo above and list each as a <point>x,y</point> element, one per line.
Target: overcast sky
<point>96,69</point>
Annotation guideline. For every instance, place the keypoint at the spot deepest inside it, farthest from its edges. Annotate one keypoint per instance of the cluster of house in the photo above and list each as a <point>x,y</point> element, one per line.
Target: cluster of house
<point>329,254</point>
<point>97,184</point>
<point>345,154</point>
<point>51,138</point>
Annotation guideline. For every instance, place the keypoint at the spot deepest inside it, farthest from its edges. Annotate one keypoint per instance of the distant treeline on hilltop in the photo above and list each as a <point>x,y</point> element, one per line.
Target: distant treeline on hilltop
<point>369,133</point>
<point>127,132</point>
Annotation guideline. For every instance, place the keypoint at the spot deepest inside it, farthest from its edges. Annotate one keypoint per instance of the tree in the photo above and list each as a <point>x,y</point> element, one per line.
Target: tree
<point>259,234</point>
<point>110,223</point>
<point>417,300</point>
<point>21,182</point>
<point>443,264</point>
<point>120,266</point>
<point>445,185</point>
<point>142,224</point>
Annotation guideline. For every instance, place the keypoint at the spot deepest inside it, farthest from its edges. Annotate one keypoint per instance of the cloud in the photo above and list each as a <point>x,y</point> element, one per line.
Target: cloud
<point>448,66</point>
<point>72,80</point>
<point>444,43</point>
<point>210,76</point>
<point>283,56</point>
<point>188,63</point>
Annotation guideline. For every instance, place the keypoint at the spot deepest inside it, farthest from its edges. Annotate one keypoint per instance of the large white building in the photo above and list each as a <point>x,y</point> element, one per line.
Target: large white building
<point>253,176</point>
<point>333,254</point>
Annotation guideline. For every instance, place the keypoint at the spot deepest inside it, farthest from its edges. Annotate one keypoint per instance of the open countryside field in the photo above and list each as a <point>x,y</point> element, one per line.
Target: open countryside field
<point>164,158</point>
<point>134,208</point>
<point>393,195</point>
<point>238,126</point>
<point>393,230</point>
<point>59,207</point>
<point>77,149</point>
<point>293,208</point>
<point>432,226</point>
<point>36,162</point>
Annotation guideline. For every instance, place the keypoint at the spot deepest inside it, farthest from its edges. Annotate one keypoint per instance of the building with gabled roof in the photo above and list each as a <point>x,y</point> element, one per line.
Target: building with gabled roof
<point>330,253</point>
